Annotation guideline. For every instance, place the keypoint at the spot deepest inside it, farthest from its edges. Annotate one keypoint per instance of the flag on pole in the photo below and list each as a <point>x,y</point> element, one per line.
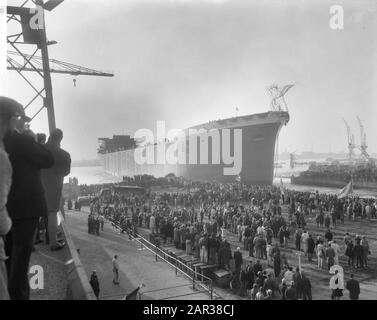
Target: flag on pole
<point>348,189</point>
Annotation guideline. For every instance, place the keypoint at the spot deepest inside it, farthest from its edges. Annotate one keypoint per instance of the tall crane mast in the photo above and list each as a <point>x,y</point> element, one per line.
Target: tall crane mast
<point>351,140</point>
<point>363,140</point>
<point>27,39</point>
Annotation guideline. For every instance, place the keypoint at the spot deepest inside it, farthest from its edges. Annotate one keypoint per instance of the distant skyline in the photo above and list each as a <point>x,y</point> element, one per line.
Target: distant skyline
<point>188,62</point>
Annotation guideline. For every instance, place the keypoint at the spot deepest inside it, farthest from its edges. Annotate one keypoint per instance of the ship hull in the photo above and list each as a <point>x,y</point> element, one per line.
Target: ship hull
<point>259,134</point>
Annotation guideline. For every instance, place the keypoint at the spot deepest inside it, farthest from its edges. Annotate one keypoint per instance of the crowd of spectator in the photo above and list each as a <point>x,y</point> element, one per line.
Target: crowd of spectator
<point>365,173</point>
<point>200,217</point>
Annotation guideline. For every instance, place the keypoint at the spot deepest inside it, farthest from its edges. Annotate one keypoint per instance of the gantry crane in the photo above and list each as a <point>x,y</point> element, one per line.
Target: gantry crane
<point>33,35</point>
<point>351,141</point>
<point>363,140</point>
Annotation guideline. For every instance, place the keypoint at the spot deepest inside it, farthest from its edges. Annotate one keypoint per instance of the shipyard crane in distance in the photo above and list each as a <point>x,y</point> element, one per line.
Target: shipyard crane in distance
<point>351,141</point>
<point>363,140</point>
<point>292,159</point>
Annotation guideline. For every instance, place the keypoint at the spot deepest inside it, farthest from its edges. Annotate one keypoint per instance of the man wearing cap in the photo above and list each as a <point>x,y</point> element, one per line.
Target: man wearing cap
<point>26,200</point>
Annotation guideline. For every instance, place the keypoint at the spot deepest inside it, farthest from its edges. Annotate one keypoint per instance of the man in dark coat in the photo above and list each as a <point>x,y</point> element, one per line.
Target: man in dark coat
<point>225,254</point>
<point>250,244</point>
<point>306,288</point>
<point>249,277</point>
<point>350,253</point>
<point>297,279</point>
<point>257,268</point>
<point>328,235</point>
<point>291,293</point>
<point>26,201</point>
<point>243,279</point>
<point>238,260</point>
<point>358,253</point>
<point>354,288</point>
<point>52,179</point>
<point>311,247</point>
<point>277,263</point>
<point>270,284</point>
<point>94,284</point>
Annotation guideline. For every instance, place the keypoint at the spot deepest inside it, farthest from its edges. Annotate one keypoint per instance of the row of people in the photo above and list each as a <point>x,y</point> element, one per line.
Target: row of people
<point>31,181</point>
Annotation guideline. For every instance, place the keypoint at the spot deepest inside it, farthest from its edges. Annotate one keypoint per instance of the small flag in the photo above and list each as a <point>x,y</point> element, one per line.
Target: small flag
<point>348,189</point>
<point>237,109</point>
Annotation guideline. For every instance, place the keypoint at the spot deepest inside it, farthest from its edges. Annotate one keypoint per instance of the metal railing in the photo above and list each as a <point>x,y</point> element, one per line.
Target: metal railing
<point>194,276</point>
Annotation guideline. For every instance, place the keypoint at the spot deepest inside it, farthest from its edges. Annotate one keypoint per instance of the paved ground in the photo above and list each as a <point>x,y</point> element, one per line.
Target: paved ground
<point>54,271</point>
<point>136,266</point>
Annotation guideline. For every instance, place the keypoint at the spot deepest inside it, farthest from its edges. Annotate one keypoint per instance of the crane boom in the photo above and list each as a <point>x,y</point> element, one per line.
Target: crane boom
<point>17,62</point>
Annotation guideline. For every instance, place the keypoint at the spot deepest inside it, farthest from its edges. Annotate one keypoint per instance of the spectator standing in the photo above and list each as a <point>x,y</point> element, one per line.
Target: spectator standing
<point>26,200</point>
<point>52,179</point>
<point>359,254</point>
<point>8,115</point>
<point>311,247</point>
<point>115,270</point>
<point>364,243</point>
<point>94,284</point>
<point>306,287</point>
<point>238,260</point>
<point>354,288</point>
<point>350,253</point>
<point>330,255</point>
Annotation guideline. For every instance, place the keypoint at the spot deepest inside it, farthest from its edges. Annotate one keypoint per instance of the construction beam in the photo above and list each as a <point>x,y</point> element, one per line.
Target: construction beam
<point>78,73</point>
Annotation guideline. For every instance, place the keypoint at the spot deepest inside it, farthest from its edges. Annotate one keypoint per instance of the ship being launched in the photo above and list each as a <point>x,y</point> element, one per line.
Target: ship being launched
<point>257,139</point>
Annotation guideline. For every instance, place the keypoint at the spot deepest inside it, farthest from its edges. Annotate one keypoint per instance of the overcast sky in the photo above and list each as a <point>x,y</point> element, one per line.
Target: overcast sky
<point>187,62</point>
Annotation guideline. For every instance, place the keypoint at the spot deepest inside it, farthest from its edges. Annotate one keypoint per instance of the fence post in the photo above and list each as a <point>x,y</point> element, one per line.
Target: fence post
<point>193,283</point>
<point>176,271</point>
<point>211,290</point>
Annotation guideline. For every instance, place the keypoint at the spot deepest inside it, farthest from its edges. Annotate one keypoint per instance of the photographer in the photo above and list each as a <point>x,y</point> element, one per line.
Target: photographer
<point>26,200</point>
